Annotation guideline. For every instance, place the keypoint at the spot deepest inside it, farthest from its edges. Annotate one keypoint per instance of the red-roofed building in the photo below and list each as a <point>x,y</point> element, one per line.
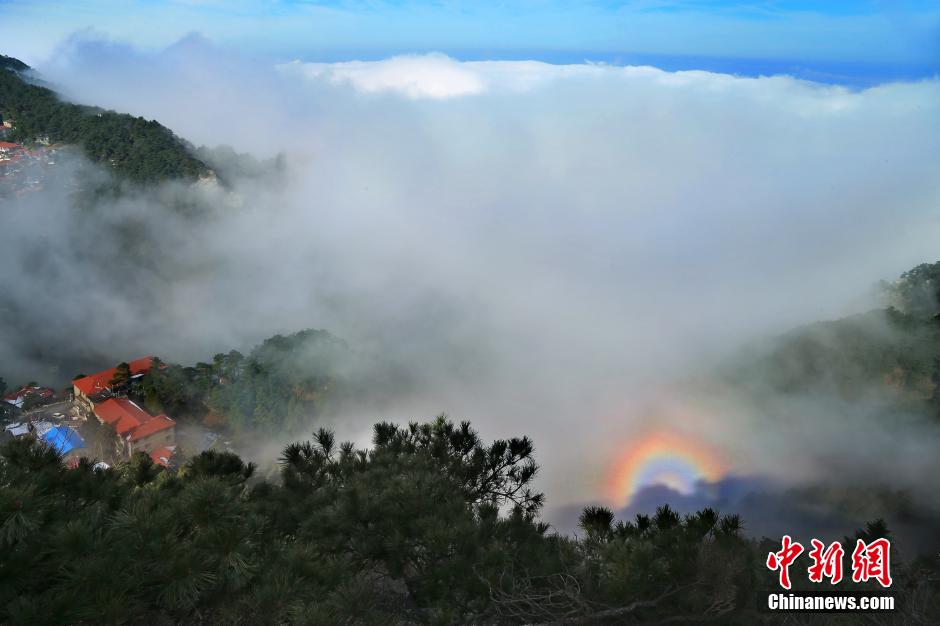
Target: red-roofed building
<point>136,429</point>
<point>163,456</point>
<point>121,414</point>
<point>17,397</point>
<point>6,146</point>
<point>152,427</point>
<point>88,387</point>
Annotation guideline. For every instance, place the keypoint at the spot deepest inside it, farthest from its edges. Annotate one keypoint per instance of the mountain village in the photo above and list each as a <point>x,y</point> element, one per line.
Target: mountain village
<point>22,168</point>
<point>96,418</point>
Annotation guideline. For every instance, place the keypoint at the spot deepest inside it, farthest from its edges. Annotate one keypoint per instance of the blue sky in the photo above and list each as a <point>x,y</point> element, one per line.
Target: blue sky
<point>860,41</point>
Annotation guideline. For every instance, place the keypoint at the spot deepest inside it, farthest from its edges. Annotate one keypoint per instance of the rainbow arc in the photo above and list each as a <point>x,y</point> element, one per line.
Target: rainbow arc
<point>662,458</point>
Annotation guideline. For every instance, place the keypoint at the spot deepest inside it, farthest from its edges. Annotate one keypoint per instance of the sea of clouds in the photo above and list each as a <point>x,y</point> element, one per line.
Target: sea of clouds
<point>550,250</point>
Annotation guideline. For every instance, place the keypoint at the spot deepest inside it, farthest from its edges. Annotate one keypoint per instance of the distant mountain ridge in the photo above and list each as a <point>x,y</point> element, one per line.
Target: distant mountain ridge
<point>136,149</point>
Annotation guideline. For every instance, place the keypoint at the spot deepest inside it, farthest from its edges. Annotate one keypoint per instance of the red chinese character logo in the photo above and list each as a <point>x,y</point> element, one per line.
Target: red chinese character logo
<point>826,563</point>
<point>782,560</point>
<point>872,560</point>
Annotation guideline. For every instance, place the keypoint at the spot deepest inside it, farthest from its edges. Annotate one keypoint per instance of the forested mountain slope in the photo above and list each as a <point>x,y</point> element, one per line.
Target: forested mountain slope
<point>137,149</point>
<point>893,352</point>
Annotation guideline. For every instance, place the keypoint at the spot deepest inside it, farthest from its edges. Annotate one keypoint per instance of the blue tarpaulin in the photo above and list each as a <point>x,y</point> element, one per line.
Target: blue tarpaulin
<point>63,439</point>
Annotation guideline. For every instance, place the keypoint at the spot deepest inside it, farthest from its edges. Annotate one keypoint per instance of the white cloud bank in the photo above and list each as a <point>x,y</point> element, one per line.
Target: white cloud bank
<point>552,248</point>
<point>439,77</point>
<point>432,76</point>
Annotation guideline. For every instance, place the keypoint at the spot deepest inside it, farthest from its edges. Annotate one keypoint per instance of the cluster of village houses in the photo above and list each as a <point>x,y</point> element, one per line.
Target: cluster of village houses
<point>135,430</point>
<point>15,159</point>
<point>16,165</point>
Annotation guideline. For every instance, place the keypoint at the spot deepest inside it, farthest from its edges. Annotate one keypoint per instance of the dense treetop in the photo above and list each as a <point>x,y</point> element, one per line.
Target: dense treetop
<point>281,385</point>
<point>917,291</point>
<point>137,149</point>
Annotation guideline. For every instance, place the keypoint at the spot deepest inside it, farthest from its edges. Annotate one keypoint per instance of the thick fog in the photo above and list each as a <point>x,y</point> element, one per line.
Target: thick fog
<point>557,251</point>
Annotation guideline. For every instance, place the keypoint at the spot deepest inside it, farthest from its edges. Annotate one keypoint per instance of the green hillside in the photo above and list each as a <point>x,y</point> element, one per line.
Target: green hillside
<point>893,352</point>
<point>137,149</point>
